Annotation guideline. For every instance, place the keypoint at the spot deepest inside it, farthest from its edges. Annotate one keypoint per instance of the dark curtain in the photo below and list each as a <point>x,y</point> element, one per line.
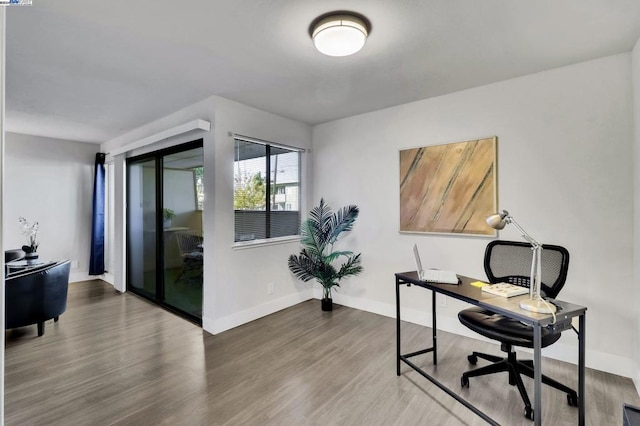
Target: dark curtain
<point>96,261</point>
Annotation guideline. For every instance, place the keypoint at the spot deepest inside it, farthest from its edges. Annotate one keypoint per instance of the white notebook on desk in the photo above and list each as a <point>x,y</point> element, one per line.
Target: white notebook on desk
<point>433,275</point>
<point>505,289</point>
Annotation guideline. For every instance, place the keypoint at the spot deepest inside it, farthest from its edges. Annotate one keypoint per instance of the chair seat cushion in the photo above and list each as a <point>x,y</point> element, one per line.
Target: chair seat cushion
<point>506,330</point>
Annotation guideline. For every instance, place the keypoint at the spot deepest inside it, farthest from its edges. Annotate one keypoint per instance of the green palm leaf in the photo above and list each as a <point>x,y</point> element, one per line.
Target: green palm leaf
<point>316,228</point>
<point>305,267</point>
<point>336,254</point>
<point>351,267</point>
<point>342,221</point>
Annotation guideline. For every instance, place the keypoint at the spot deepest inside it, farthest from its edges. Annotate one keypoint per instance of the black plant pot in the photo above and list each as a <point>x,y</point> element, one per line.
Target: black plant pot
<point>327,305</point>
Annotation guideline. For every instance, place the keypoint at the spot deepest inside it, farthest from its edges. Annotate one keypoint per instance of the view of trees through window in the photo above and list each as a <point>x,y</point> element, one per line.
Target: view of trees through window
<point>250,192</point>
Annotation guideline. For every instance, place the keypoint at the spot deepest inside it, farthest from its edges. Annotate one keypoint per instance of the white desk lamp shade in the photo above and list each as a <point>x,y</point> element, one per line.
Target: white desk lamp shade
<point>497,221</point>
<point>340,35</point>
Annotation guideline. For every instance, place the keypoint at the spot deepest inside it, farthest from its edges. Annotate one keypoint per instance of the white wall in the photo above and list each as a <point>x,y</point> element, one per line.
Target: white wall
<point>50,181</point>
<point>564,172</point>
<point>243,274</point>
<point>235,280</point>
<point>635,72</point>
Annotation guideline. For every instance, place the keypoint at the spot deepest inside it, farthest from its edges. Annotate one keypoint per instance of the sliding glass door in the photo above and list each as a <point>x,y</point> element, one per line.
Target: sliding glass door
<point>165,244</point>
<point>182,242</point>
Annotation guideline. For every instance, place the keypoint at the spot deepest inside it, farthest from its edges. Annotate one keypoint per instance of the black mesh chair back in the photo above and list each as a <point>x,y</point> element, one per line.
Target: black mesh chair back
<point>189,243</point>
<point>510,261</point>
<point>191,250</point>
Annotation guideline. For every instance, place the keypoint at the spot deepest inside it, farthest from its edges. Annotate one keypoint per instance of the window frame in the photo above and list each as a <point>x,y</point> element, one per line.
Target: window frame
<point>301,185</point>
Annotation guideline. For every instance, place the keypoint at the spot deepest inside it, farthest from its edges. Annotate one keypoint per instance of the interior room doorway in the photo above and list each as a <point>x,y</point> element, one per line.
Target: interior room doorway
<point>165,242</point>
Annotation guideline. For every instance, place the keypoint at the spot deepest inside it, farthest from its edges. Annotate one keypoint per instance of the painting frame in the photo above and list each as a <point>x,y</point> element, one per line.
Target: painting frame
<point>449,188</point>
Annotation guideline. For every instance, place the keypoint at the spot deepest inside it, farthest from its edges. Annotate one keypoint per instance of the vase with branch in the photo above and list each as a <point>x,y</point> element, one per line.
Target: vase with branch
<point>29,230</point>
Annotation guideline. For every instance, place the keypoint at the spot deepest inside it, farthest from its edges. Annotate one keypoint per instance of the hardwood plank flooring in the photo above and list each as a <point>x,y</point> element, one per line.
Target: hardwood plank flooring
<point>115,359</point>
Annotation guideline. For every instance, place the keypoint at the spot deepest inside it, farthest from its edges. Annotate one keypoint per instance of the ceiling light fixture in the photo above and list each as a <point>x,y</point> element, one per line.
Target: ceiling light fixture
<point>339,33</point>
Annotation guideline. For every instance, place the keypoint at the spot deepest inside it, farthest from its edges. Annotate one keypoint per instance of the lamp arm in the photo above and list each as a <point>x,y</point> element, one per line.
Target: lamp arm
<point>524,233</point>
<point>535,303</point>
<point>535,280</point>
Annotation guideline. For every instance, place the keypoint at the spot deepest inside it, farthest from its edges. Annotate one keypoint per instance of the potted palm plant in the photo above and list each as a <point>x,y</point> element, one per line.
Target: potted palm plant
<point>316,260</point>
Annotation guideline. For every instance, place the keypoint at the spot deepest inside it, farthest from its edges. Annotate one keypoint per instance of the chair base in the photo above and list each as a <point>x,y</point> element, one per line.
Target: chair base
<point>515,368</point>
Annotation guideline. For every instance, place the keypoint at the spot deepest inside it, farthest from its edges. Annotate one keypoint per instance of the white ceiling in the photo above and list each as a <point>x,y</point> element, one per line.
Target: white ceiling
<point>91,70</point>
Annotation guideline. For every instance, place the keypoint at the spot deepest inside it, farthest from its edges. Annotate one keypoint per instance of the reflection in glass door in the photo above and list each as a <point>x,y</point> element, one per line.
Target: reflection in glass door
<point>165,244</point>
<point>141,221</point>
<point>183,244</point>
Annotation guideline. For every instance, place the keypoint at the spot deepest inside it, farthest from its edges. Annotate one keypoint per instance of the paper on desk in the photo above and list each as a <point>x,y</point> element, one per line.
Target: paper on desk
<point>479,284</point>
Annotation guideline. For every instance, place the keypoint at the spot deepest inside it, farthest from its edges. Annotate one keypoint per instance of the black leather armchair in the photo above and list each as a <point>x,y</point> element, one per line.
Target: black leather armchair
<point>36,295</point>
<point>510,261</point>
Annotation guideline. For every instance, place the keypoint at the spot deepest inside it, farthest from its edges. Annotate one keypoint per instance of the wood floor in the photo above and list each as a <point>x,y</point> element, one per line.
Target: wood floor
<point>116,359</point>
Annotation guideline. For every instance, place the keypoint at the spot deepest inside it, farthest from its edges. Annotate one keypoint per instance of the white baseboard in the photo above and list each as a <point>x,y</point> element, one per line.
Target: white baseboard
<point>108,277</point>
<point>218,325</point>
<point>77,276</point>
<point>560,351</point>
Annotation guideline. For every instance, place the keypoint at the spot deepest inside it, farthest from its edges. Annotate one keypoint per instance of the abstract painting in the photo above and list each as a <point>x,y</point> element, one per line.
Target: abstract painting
<point>449,188</point>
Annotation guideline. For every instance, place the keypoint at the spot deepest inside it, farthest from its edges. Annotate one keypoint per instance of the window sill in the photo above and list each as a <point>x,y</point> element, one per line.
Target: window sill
<point>241,245</point>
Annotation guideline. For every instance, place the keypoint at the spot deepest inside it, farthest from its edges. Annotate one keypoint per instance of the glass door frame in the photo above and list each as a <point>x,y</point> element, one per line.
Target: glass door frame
<point>157,156</point>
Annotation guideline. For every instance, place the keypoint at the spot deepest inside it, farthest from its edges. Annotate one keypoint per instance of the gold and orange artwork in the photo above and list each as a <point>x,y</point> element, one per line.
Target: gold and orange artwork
<point>449,188</point>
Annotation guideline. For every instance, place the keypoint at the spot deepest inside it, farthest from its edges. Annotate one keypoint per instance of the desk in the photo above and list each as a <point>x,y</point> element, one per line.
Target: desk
<point>508,307</point>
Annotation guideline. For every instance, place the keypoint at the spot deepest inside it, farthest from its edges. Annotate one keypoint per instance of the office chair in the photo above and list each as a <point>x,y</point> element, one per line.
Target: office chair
<point>510,261</point>
<point>191,251</point>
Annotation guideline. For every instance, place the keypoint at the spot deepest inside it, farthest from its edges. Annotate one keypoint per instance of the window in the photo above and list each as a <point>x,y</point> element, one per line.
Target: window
<point>266,194</point>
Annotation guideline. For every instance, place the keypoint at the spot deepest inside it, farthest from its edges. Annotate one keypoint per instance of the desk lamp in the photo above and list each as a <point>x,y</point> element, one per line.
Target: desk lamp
<point>535,303</point>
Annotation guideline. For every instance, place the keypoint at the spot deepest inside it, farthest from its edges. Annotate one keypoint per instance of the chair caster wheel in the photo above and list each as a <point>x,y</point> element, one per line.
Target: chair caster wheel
<point>464,381</point>
<point>572,400</point>
<point>472,359</point>
<point>528,413</point>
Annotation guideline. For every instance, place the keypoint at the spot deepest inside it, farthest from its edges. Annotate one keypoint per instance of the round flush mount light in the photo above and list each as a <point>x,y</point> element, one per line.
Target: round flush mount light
<point>340,33</point>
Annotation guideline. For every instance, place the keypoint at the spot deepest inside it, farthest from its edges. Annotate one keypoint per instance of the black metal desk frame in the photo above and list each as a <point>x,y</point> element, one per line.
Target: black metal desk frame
<point>507,307</point>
